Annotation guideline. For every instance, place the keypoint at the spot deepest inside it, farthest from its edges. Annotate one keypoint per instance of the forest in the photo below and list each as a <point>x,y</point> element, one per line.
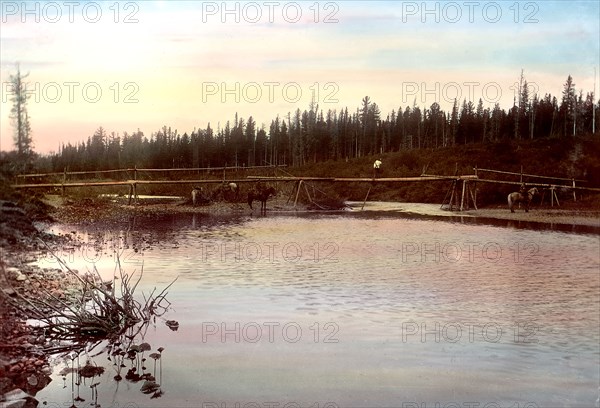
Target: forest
<point>313,136</point>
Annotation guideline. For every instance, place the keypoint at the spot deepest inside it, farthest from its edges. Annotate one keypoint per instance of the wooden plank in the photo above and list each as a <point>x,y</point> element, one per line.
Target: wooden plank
<point>148,170</point>
<point>213,168</point>
<point>290,178</point>
<point>539,185</point>
<point>128,182</point>
<point>366,179</point>
<point>214,181</point>
<point>386,180</point>
<point>526,175</point>
<point>76,184</point>
<point>69,173</point>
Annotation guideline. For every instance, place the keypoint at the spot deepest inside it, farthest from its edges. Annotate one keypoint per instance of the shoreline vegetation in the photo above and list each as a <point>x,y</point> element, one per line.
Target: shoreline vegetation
<point>25,368</point>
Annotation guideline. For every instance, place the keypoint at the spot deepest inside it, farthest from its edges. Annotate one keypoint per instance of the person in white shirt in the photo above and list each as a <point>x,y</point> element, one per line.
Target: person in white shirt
<point>377,168</point>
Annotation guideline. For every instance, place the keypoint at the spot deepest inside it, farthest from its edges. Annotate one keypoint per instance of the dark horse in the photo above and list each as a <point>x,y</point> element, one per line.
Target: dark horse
<point>227,191</point>
<point>521,197</point>
<point>261,195</point>
<point>199,196</point>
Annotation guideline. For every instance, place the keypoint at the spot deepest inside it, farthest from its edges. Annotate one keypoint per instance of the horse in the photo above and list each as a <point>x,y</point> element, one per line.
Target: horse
<point>233,188</point>
<point>261,195</point>
<point>228,191</point>
<point>519,197</point>
<point>198,196</point>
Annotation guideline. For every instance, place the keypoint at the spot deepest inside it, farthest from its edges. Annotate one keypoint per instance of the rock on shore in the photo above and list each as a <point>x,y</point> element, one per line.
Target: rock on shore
<point>24,367</point>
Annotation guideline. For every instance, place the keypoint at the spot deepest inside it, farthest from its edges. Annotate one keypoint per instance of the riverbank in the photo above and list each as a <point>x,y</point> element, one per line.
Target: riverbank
<point>589,218</point>
<point>24,366</point>
<point>583,217</point>
<point>105,212</point>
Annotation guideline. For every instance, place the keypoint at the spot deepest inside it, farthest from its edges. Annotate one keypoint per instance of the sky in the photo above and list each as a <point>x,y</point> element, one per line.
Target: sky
<point>143,65</point>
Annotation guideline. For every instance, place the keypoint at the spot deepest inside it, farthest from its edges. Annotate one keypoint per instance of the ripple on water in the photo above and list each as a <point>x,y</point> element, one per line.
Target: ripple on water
<point>423,309</point>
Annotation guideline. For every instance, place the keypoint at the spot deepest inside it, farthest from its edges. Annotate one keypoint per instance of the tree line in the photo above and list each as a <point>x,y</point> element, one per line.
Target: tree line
<point>313,135</point>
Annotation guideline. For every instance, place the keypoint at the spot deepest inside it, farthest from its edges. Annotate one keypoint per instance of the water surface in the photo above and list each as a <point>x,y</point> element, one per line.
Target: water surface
<point>358,309</point>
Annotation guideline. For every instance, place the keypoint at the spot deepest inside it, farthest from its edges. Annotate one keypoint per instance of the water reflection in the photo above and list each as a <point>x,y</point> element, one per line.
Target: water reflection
<point>104,319</point>
<point>127,355</point>
<point>424,311</point>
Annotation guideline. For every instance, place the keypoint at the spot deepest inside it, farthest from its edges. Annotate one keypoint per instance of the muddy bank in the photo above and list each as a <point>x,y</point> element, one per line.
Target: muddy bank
<point>24,366</point>
<point>118,211</point>
<point>589,218</point>
<point>107,212</point>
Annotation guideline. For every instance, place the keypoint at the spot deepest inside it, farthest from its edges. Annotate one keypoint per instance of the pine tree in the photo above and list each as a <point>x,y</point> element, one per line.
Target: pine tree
<point>453,123</point>
<point>567,106</point>
<point>523,111</point>
<point>20,116</point>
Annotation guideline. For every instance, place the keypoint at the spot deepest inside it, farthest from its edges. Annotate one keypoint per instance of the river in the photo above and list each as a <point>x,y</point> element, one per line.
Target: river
<point>353,309</point>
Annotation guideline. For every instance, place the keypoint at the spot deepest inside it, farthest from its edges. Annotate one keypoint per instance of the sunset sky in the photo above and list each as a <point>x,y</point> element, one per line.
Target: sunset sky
<point>184,64</point>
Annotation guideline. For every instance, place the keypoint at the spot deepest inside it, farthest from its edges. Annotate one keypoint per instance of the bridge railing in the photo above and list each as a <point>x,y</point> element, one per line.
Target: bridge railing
<point>134,173</point>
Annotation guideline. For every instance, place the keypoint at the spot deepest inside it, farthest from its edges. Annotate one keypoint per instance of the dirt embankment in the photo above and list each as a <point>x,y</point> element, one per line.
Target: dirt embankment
<point>588,217</point>
<point>113,211</point>
<point>24,367</point>
<point>107,212</point>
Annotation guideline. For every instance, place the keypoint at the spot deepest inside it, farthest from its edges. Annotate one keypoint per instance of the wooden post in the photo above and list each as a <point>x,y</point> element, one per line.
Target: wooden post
<point>63,182</point>
<point>134,185</point>
<point>297,193</point>
<point>130,194</point>
<point>543,195</point>
<point>462,197</point>
<point>308,194</point>
<point>367,196</point>
<point>444,200</point>
<point>456,198</point>
<point>521,175</point>
<point>452,194</point>
<point>552,194</point>
<point>292,192</point>
<point>574,195</point>
<point>473,196</point>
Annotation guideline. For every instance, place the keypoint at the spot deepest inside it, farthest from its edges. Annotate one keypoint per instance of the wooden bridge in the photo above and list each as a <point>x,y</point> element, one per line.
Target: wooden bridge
<point>467,192</point>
